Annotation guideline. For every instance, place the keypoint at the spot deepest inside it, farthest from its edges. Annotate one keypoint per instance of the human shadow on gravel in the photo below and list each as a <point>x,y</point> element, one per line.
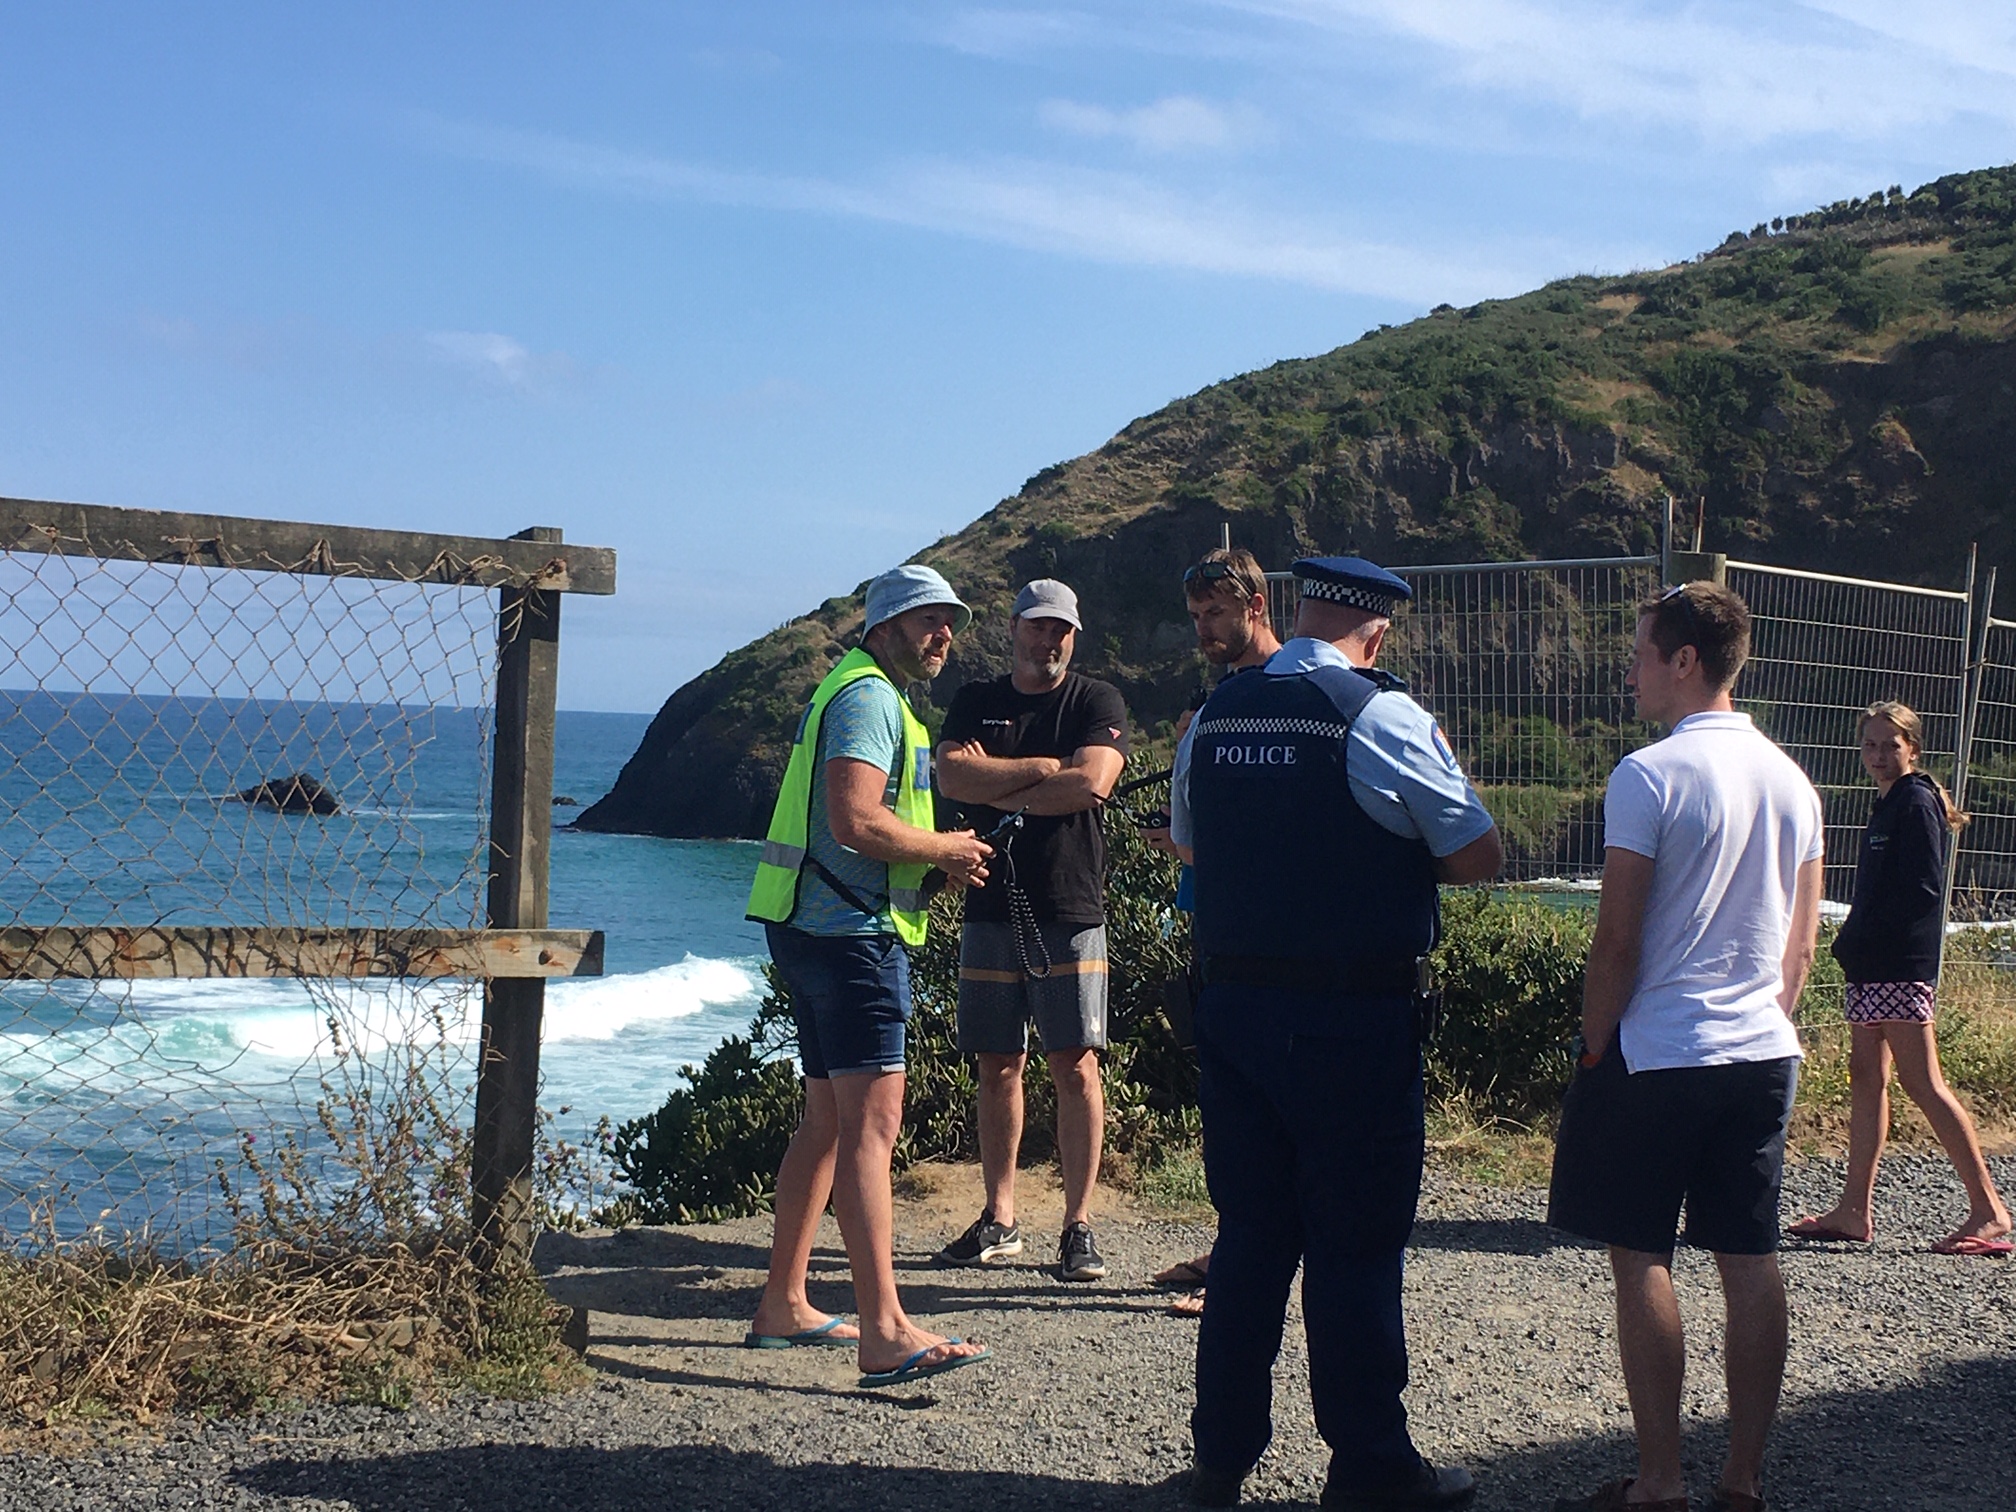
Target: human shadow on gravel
<point>1942,1445</point>
<point>1493,1236</point>
<point>655,1249</point>
<point>903,1399</point>
<point>523,1477</point>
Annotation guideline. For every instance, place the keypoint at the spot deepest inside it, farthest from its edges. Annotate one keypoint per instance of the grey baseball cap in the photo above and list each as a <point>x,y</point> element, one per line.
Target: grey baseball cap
<point>1046,598</point>
<point>911,586</point>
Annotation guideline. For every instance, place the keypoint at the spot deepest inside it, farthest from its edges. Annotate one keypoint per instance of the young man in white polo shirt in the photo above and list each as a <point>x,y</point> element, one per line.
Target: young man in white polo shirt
<point>1705,932</point>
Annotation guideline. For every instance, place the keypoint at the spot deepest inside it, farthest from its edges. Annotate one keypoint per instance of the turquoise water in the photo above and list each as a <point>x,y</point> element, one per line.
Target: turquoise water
<point>681,958</point>
<point>116,1101</point>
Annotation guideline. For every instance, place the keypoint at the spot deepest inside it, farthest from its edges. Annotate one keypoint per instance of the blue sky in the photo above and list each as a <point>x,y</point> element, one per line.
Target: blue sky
<point>769,296</point>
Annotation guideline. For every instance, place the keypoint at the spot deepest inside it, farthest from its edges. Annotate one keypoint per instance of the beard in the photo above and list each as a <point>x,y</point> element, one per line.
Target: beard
<point>1224,652</point>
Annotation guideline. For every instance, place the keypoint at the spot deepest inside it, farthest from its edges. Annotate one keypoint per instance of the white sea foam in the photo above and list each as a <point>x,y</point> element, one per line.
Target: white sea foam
<point>254,1031</point>
<point>600,1008</point>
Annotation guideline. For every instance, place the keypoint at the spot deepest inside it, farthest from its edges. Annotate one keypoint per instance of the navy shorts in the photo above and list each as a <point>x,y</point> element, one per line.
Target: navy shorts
<point>1634,1150</point>
<point>851,997</point>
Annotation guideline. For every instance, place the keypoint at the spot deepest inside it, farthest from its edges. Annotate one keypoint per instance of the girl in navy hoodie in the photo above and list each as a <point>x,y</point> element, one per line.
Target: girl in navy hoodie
<point>1889,951</point>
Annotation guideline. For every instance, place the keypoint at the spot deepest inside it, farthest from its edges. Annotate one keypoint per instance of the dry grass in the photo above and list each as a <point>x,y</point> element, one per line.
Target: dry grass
<point>90,1333</point>
<point>354,1274</point>
<point>1976,1032</point>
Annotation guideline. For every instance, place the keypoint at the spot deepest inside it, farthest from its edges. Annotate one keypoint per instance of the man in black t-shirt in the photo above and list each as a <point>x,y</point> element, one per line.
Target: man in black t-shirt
<point>1048,743</point>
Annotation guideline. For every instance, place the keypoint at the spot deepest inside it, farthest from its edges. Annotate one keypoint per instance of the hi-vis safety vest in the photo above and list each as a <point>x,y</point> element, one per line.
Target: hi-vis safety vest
<point>775,893</point>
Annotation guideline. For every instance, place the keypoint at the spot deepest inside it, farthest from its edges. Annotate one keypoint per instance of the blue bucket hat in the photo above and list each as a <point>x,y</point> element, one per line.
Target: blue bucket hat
<point>911,586</point>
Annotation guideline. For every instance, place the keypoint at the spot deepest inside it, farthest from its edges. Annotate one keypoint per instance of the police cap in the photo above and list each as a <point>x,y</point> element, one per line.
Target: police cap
<point>1352,582</point>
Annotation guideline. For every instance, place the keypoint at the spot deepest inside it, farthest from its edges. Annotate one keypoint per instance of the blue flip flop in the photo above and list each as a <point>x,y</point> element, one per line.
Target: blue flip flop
<point>910,1370</point>
<point>823,1334</point>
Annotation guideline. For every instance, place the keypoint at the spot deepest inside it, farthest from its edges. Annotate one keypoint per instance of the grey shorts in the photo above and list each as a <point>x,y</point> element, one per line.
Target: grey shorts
<point>998,997</point>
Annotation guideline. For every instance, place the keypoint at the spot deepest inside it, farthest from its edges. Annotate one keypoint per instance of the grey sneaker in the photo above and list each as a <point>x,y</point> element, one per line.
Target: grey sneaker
<point>1077,1256</point>
<point>984,1240</point>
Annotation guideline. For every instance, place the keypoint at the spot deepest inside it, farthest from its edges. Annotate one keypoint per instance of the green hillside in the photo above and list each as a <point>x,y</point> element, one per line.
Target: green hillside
<point>1837,390</point>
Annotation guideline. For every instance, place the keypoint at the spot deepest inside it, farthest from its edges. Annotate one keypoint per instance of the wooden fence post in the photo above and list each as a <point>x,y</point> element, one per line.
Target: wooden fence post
<point>521,832</point>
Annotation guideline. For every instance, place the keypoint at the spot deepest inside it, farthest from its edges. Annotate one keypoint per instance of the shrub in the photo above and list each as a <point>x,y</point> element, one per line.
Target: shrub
<point>1512,998</point>
<point>1512,968</point>
<point>711,1151</point>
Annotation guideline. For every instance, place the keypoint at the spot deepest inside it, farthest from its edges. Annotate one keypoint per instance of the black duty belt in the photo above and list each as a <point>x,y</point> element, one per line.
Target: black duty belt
<point>1368,976</point>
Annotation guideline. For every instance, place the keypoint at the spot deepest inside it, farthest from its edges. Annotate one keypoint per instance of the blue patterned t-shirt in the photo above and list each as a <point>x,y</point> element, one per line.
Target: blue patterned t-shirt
<point>864,722</point>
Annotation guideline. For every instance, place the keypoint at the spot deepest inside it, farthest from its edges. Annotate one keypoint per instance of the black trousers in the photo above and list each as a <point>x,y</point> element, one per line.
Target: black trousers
<point>1312,1148</point>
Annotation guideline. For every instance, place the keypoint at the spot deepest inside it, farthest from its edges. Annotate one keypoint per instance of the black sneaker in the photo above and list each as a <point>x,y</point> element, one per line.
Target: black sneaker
<point>1077,1256</point>
<point>1432,1489</point>
<point>1213,1488</point>
<point>985,1240</point>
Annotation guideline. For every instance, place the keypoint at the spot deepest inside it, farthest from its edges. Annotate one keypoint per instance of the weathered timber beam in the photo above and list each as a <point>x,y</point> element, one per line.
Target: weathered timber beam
<point>198,540</point>
<point>54,953</point>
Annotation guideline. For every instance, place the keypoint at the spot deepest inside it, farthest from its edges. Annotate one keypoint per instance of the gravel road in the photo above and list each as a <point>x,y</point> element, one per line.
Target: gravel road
<point>1901,1392</point>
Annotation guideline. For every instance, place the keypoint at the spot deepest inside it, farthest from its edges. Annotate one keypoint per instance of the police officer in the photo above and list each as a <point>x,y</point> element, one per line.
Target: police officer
<point>1322,807</point>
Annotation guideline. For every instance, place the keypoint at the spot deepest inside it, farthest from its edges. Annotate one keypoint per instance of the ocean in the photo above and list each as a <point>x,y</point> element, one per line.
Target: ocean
<point>116,1101</point>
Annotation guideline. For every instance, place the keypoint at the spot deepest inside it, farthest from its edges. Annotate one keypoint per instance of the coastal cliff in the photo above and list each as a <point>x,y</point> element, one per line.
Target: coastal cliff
<point>1837,391</point>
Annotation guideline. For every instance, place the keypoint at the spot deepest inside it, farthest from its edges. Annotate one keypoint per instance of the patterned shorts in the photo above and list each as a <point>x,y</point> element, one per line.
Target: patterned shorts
<point>1890,1002</point>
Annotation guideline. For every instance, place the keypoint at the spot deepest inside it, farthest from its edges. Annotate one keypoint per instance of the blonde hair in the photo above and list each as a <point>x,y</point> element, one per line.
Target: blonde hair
<point>1904,719</point>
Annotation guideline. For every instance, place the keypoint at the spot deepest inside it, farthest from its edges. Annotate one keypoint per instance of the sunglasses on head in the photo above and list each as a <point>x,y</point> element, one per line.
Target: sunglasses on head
<point>1687,607</point>
<point>1214,573</point>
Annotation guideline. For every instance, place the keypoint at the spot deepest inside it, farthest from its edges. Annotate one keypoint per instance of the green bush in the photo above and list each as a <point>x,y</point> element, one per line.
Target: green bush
<point>711,1151</point>
<point>1512,998</point>
<point>1512,970</point>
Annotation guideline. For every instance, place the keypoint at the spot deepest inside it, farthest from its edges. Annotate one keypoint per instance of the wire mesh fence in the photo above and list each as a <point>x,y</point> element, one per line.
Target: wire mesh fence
<point>1522,664</point>
<point>196,745</point>
<point>1823,648</point>
<point>1985,876</point>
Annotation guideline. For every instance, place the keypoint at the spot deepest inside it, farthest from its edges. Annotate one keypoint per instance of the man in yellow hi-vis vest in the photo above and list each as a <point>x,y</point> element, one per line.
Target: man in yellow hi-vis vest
<point>839,890</point>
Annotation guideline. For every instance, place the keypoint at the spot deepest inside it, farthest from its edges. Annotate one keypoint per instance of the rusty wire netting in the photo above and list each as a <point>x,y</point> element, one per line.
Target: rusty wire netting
<point>141,706</point>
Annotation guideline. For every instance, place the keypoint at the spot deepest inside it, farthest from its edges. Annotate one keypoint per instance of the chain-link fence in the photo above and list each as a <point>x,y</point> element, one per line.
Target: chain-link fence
<point>240,808</point>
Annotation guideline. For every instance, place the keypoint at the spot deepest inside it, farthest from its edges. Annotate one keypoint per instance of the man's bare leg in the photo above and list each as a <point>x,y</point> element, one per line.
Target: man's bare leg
<point>1081,1127</point>
<point>1753,1291</point>
<point>1000,1130</point>
<point>804,1182</point>
<point>870,1114</point>
<point>1653,1349</point>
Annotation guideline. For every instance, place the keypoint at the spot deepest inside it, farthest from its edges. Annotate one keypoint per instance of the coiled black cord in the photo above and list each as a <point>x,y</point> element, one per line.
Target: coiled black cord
<point>1021,915</point>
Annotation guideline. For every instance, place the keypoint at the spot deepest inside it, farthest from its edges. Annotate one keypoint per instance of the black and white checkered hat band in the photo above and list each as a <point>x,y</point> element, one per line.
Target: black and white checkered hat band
<point>1352,597</point>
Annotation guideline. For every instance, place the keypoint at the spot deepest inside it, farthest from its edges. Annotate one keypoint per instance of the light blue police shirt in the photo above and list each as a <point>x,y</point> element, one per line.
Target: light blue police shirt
<point>1401,770</point>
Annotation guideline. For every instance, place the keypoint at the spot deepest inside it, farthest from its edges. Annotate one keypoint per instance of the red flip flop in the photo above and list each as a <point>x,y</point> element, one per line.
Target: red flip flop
<point>1974,1244</point>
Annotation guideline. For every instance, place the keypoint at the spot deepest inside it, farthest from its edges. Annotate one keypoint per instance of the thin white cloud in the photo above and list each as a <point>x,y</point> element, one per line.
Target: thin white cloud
<point>1176,123</point>
<point>1740,73</point>
<point>998,33</point>
<point>739,60</point>
<point>247,345</point>
<point>1043,207</point>
<point>495,358</point>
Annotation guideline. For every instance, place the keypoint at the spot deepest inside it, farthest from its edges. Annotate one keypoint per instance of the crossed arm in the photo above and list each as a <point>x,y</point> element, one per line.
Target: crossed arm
<point>1041,784</point>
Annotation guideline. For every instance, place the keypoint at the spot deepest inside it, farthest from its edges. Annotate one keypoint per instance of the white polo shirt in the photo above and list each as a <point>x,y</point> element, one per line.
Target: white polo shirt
<point>1727,819</point>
